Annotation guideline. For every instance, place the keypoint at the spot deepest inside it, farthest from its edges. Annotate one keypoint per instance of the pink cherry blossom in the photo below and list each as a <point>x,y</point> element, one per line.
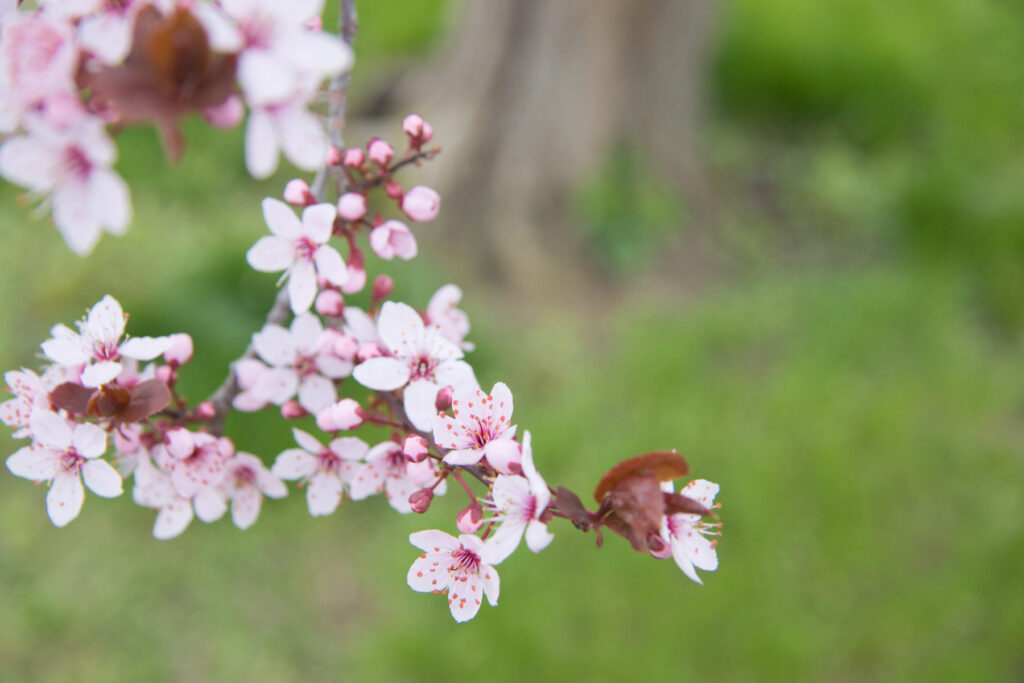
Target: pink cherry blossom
<point>298,363</point>
<point>388,470</point>
<point>345,414</point>
<point>456,565</point>
<point>300,249</point>
<point>443,314</point>
<point>153,489</point>
<point>63,457</point>
<point>98,344</point>
<point>106,32</point>
<point>519,502</point>
<point>246,481</point>
<point>288,127</point>
<point>421,203</point>
<point>195,462</point>
<point>420,358</point>
<point>391,239</point>
<point>30,394</point>
<point>37,61</point>
<point>325,470</point>
<point>73,166</point>
<point>481,424</point>
<point>687,532</point>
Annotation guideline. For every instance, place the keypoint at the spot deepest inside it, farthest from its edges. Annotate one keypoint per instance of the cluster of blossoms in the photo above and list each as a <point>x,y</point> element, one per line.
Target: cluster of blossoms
<point>72,69</point>
<point>442,423</point>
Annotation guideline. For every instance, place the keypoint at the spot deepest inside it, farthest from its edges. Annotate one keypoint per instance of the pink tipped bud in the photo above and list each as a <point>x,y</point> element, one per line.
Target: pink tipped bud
<point>471,519</point>
<point>367,351</point>
<point>657,546</point>
<point>179,442</point>
<point>329,302</point>
<point>421,203</point>
<point>297,193</point>
<point>333,156</point>
<point>180,351</point>
<point>415,448</point>
<point>206,411</point>
<point>345,348</point>
<point>393,190</point>
<point>291,410</point>
<point>353,158</point>
<point>356,277</point>
<point>345,414</point>
<point>352,206</point>
<point>418,130</point>
<point>383,285</point>
<point>165,373</point>
<point>420,501</point>
<point>228,114</point>
<point>444,399</point>
<point>380,152</point>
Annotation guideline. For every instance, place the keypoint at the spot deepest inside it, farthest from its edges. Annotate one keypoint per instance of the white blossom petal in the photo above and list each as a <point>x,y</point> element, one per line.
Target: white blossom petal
<point>172,520</point>
<point>64,501</point>
<point>271,254</point>
<point>102,479</point>
<point>301,286</point>
<point>323,495</point>
<point>381,373</point>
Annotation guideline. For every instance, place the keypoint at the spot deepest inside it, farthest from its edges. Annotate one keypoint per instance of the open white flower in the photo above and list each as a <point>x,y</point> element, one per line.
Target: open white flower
<point>519,503</point>
<point>687,533</point>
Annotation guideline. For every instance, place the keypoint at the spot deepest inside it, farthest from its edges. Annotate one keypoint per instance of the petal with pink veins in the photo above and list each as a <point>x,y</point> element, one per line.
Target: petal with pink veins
<point>64,351</point>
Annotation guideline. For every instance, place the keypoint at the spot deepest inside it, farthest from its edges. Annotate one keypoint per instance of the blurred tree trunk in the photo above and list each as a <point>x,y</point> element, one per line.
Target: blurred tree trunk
<point>529,99</point>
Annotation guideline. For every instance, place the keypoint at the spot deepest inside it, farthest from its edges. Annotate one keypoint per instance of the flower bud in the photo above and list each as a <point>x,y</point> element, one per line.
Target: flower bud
<point>345,414</point>
<point>393,189</point>
<point>380,152</point>
<point>356,273</point>
<point>421,203</point>
<point>470,519</point>
<point>292,410</point>
<point>333,156</point>
<point>228,114</point>
<point>180,443</point>
<point>391,239</point>
<point>383,285</point>
<point>206,411</point>
<point>418,130</point>
<point>420,500</point>
<point>180,351</point>
<point>297,193</point>
<point>226,447</point>
<point>165,373</point>
<point>329,302</point>
<point>444,399</point>
<point>345,348</point>
<point>415,448</point>
<point>367,351</point>
<point>352,206</point>
<point>353,158</point>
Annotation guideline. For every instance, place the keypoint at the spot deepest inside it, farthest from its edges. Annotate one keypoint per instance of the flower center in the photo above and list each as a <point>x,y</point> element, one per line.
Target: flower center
<point>75,164</point>
<point>244,475</point>
<point>329,461</point>
<point>258,31</point>
<point>305,248</point>
<point>306,365</point>
<point>422,367</point>
<point>71,462</point>
<point>465,561</point>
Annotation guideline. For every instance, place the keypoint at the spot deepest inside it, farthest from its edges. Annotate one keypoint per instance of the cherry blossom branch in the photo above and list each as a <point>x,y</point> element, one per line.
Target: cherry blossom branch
<point>338,94</point>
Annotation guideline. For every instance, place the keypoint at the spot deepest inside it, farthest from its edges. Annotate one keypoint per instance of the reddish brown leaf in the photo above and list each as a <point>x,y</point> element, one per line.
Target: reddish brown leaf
<point>570,505</point>
<point>147,398</point>
<point>664,465</point>
<point>72,397</point>
<point>675,503</point>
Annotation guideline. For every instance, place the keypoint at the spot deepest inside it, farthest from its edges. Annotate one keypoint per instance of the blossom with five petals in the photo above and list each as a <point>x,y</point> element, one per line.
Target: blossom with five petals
<point>246,481</point>
<point>687,533</point>
<point>519,502</point>
<point>324,469</point>
<point>457,565</point>
<point>388,470</point>
<point>481,426</point>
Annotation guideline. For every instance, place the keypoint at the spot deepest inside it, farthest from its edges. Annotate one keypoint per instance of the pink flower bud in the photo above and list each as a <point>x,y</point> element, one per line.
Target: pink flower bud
<point>391,239</point>
<point>415,448</point>
<point>393,190</point>
<point>228,114</point>
<point>353,158</point>
<point>345,414</point>
<point>206,411</point>
<point>345,348</point>
<point>297,193</point>
<point>367,351</point>
<point>180,351</point>
<point>291,410</point>
<point>329,302</point>
<point>471,519</point>
<point>657,546</point>
<point>421,203</point>
<point>333,156</point>
<point>420,501</point>
<point>383,285</point>
<point>180,443</point>
<point>352,206</point>
<point>356,273</point>
<point>444,399</point>
<point>380,152</point>
<point>165,373</point>
<point>418,130</point>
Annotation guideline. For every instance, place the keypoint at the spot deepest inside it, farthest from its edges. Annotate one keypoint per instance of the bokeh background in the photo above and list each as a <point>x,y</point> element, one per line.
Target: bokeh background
<point>795,253</point>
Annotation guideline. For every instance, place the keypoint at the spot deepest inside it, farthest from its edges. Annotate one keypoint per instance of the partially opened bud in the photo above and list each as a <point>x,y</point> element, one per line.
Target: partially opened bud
<point>415,448</point>
<point>380,152</point>
<point>292,410</point>
<point>443,400</point>
<point>206,410</point>
<point>329,302</point>
<point>383,285</point>
<point>297,193</point>
<point>420,501</point>
<point>471,519</point>
<point>352,206</point>
<point>180,351</point>
<point>421,203</point>
<point>179,442</point>
<point>345,414</point>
